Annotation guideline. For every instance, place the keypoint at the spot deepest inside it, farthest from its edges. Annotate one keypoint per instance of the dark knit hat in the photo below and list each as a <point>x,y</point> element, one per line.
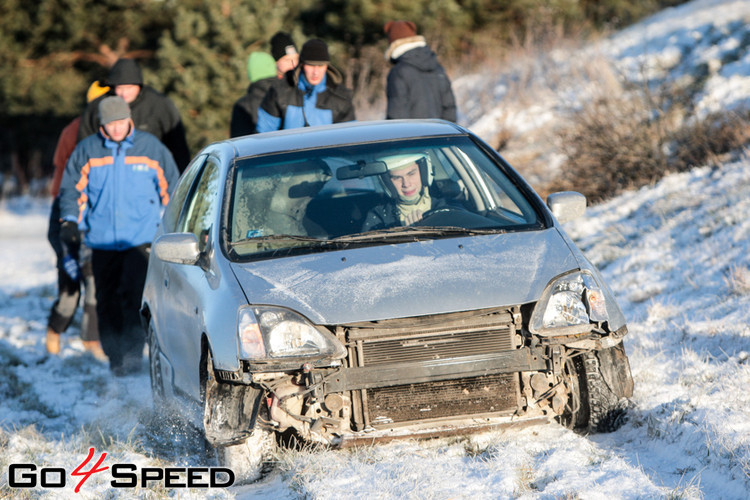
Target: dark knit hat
<point>125,72</point>
<point>399,29</point>
<point>282,45</point>
<point>113,108</point>
<point>315,53</point>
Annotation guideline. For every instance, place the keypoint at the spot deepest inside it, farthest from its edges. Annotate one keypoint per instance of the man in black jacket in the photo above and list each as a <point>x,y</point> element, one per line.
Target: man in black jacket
<point>151,110</point>
<point>418,86</point>
<point>312,94</point>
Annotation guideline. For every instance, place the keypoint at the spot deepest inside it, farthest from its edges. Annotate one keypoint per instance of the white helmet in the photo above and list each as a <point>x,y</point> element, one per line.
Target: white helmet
<point>394,162</point>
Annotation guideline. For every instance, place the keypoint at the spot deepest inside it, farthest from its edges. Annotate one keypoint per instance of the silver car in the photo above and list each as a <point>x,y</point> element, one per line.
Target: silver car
<point>370,281</point>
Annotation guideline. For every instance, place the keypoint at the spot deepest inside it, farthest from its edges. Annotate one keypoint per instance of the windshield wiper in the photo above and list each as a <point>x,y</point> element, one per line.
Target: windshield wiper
<point>284,237</point>
<point>415,232</point>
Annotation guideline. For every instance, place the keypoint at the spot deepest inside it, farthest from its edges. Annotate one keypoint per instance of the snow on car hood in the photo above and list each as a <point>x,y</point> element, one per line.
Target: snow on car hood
<point>410,279</point>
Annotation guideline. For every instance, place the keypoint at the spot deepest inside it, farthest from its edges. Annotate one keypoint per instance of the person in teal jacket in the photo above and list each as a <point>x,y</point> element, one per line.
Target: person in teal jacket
<point>115,186</point>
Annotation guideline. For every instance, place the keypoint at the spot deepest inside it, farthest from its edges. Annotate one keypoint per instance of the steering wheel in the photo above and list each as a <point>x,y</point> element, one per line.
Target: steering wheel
<point>454,217</point>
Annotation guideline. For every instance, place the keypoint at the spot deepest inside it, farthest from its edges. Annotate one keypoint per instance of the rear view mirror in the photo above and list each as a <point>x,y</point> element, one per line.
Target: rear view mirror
<point>361,169</point>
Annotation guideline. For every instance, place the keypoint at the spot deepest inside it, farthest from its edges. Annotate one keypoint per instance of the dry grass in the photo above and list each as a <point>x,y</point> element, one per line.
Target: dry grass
<point>738,280</point>
<point>627,140</point>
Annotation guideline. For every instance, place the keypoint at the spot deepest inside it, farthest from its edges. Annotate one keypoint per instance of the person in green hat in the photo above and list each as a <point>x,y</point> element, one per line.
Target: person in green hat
<point>261,69</point>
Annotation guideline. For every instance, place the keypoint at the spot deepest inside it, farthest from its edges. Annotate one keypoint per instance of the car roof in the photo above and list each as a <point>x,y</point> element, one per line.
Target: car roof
<point>341,133</point>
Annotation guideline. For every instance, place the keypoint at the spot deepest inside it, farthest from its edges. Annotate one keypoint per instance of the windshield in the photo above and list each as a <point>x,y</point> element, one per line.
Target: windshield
<point>364,194</point>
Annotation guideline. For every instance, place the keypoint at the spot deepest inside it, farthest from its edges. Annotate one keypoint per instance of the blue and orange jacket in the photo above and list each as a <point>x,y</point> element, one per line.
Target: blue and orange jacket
<point>116,191</point>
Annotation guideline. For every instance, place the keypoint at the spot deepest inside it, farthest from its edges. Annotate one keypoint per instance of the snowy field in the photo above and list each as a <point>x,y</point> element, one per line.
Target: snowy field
<point>676,254</point>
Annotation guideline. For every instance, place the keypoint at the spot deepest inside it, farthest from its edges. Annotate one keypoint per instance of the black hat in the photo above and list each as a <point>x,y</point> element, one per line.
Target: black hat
<point>314,52</point>
<point>125,72</point>
<point>282,45</point>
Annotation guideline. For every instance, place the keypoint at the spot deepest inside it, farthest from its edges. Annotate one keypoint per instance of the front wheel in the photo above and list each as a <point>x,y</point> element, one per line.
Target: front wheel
<point>248,458</point>
<point>230,414</point>
<point>599,384</point>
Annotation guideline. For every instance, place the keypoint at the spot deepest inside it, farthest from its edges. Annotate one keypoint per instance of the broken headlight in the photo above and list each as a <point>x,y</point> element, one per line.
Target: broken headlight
<point>569,304</point>
<point>276,333</point>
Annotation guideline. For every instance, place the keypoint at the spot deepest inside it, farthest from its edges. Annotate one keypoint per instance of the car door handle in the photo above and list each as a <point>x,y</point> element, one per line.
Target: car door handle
<point>166,278</point>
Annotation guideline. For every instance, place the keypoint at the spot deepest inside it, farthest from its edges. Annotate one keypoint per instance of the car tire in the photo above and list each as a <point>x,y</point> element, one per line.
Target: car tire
<point>576,413</point>
<point>248,459</point>
<point>600,384</point>
<point>155,372</point>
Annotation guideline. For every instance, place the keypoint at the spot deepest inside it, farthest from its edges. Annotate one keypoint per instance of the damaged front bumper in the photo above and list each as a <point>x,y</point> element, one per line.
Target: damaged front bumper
<point>455,374</point>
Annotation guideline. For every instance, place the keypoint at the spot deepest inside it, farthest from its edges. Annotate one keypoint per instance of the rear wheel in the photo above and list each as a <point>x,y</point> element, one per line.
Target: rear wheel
<point>154,364</point>
<point>599,384</point>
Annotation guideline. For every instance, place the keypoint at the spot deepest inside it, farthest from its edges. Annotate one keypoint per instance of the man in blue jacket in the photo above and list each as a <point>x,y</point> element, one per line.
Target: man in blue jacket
<point>312,94</point>
<point>115,185</point>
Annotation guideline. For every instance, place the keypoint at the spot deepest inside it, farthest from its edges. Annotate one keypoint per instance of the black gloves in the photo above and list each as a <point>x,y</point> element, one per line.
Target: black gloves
<point>69,234</point>
<point>70,237</point>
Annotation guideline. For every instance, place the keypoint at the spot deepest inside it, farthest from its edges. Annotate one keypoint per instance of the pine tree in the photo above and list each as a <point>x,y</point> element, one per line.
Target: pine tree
<point>201,62</point>
<point>50,52</point>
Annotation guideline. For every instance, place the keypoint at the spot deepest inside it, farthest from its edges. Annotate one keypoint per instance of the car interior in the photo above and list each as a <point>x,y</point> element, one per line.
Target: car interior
<point>327,194</point>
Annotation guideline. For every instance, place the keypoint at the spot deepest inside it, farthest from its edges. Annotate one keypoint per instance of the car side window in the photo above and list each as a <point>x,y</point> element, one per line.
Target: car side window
<point>201,209</point>
<point>180,193</point>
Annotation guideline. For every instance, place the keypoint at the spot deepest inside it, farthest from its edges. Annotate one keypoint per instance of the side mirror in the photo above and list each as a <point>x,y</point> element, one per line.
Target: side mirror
<point>178,248</point>
<point>566,205</point>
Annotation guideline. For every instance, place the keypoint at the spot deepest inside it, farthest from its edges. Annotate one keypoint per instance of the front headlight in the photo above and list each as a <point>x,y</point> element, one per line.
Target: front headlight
<point>570,304</point>
<point>272,332</point>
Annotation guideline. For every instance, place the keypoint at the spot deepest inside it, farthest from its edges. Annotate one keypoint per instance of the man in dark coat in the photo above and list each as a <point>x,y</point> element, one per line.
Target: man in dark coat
<point>261,69</point>
<point>418,86</point>
<point>152,111</point>
<point>312,94</point>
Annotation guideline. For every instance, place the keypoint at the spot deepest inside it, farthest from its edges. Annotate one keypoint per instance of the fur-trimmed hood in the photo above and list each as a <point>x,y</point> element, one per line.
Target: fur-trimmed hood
<point>398,47</point>
<point>333,76</point>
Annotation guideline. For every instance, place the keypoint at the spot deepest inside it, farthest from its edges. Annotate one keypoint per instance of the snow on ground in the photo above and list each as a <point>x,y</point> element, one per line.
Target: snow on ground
<point>676,255</point>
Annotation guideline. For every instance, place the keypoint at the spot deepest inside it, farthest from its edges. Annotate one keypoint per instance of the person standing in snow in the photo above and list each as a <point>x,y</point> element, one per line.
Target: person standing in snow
<point>114,188</point>
<point>417,85</point>
<point>72,265</point>
<point>152,111</point>
<point>312,94</point>
<point>261,69</point>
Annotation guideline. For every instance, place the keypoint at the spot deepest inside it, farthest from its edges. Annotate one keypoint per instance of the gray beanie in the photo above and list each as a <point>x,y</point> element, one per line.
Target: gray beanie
<point>113,108</point>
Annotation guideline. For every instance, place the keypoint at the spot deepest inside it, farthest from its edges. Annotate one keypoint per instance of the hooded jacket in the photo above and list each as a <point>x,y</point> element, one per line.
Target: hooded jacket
<point>116,191</point>
<point>151,111</point>
<point>418,86</point>
<point>292,102</point>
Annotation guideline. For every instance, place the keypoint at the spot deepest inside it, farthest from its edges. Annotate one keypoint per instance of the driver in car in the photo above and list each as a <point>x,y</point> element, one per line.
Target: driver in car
<point>406,183</point>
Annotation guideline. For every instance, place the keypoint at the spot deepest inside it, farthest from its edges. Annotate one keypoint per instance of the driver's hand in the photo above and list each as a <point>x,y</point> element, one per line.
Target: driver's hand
<point>413,217</point>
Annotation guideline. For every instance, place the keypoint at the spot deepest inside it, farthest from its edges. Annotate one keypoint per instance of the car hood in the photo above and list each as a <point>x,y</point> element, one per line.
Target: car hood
<point>410,279</point>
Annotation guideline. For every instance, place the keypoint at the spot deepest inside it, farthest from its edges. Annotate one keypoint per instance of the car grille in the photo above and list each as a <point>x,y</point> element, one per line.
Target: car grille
<point>435,338</point>
<point>447,398</point>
